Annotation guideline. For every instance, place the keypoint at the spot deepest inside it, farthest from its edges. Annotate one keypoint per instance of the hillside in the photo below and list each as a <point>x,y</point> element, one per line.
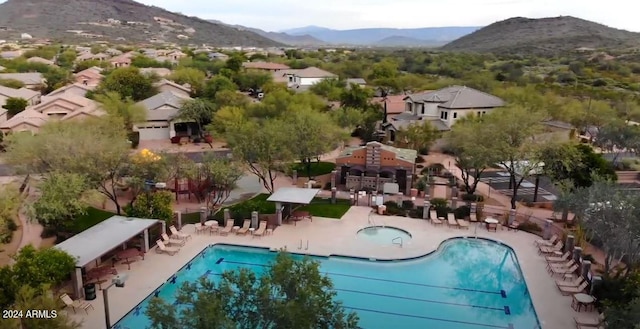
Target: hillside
<point>428,36</point>
<point>284,38</point>
<point>84,20</point>
<point>545,36</point>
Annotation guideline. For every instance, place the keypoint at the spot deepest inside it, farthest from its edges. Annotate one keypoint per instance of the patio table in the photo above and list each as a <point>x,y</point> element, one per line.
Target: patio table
<point>129,256</point>
<point>491,222</point>
<point>580,300</point>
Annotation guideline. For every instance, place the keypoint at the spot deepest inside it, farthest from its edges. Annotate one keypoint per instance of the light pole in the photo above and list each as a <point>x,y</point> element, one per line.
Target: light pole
<point>489,188</point>
<point>118,281</point>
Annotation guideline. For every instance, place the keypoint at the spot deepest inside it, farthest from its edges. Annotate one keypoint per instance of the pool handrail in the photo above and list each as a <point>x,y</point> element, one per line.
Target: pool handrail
<point>396,238</point>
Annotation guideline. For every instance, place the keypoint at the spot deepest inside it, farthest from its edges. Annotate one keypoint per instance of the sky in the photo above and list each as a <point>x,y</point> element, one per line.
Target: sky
<point>277,15</point>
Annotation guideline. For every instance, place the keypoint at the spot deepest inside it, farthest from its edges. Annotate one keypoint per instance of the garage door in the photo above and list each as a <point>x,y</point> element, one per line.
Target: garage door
<point>154,132</point>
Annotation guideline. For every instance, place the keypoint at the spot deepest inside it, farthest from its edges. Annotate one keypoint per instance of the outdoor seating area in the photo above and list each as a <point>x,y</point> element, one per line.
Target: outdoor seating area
<point>213,227</point>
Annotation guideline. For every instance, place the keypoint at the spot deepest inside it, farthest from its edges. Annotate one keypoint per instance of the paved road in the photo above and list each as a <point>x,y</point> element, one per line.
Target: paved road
<point>7,170</point>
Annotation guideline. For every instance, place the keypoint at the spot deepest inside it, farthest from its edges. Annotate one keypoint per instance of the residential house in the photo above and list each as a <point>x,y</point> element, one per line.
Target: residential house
<point>176,55</point>
<point>370,166</point>
<point>162,110</point>
<point>123,60</point>
<point>64,107</point>
<point>395,104</point>
<point>31,96</point>
<point>356,81</point>
<point>85,56</point>
<point>159,71</point>
<point>41,60</point>
<point>10,54</point>
<point>113,52</point>
<point>32,80</point>
<point>218,56</point>
<point>77,89</point>
<point>306,77</point>
<point>167,85</point>
<point>89,77</point>
<point>441,108</point>
<point>265,66</point>
<point>101,57</point>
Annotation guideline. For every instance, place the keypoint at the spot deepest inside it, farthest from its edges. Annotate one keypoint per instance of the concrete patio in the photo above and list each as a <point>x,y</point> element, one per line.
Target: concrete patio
<point>553,309</point>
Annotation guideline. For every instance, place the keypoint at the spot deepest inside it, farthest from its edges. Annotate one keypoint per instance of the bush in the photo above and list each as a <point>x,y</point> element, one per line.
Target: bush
<point>317,168</point>
<point>407,204</point>
<point>393,210</point>
<point>423,151</point>
<point>419,159</point>
<point>462,212</point>
<point>134,138</point>
<point>530,227</point>
<point>472,197</point>
<point>441,206</point>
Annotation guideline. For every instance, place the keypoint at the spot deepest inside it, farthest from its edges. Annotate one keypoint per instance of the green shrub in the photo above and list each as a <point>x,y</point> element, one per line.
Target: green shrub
<point>419,159</point>
<point>472,197</point>
<point>393,209</point>
<point>441,207</point>
<point>423,151</point>
<point>134,138</point>
<point>462,212</point>
<point>317,168</point>
<point>530,227</point>
<point>407,204</point>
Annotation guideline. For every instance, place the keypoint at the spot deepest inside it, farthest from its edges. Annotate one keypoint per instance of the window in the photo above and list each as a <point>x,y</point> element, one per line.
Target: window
<point>455,115</point>
<point>446,115</point>
<point>484,112</point>
<point>422,108</point>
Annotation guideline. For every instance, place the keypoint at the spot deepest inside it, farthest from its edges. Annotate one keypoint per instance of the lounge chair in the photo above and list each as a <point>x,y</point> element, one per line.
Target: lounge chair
<point>566,291</point>
<point>166,239</point>
<point>434,218</point>
<point>227,229</point>
<point>549,250</point>
<point>178,234</point>
<point>164,249</point>
<point>262,228</point>
<point>463,224</point>
<point>245,227</point>
<point>451,220</point>
<point>566,264</point>
<point>590,322</point>
<point>473,218</point>
<point>564,270</point>
<point>548,243</point>
<point>76,304</point>
<point>573,283</point>
<point>556,259</point>
<point>199,228</point>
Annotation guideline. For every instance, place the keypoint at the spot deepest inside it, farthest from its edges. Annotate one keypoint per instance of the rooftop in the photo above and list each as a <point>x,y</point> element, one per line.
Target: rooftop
<point>458,97</point>
<point>295,195</point>
<point>404,154</point>
<point>265,66</point>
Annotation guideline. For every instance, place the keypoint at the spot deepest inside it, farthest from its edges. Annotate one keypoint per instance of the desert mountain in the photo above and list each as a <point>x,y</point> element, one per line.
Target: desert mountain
<point>284,38</point>
<point>544,36</point>
<point>428,36</point>
<point>84,20</point>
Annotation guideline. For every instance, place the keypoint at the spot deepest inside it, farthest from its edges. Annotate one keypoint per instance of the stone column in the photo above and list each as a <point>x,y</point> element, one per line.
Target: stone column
<point>473,209</point>
<point>227,216</point>
<point>203,215</point>
<point>164,227</point>
<point>512,216</point>
<point>570,243</point>
<point>178,216</point>
<point>76,280</point>
<point>585,268</point>
<point>254,219</point>
<point>577,254</point>
<point>596,282</point>
<point>279,213</point>
<point>361,181</point>
<point>454,191</point>
<point>352,196</point>
<point>334,191</point>
<point>425,210</point>
<point>295,177</point>
<point>409,183</point>
<point>377,182</point>
<point>333,179</point>
<point>454,202</point>
<point>546,230</point>
<point>399,201</point>
<point>145,241</point>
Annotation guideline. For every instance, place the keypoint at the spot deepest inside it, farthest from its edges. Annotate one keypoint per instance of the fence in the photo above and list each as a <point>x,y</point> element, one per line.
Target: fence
<point>556,228</point>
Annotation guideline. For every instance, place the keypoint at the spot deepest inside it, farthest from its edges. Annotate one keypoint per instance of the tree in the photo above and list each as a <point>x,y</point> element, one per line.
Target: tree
<point>252,79</point>
<point>516,143</point>
<point>576,164</point>
<point>62,199</point>
<point>231,98</point>
<point>193,77</point>
<point>66,58</point>
<point>418,136</point>
<point>199,111</point>
<point>128,82</point>
<point>216,84</point>
<point>125,109</point>
<point>15,105</point>
<point>10,201</point>
<point>227,119</point>
<point>290,294</point>
<point>56,78</point>
<point>623,316</point>
<point>314,134</point>
<point>356,97</point>
<point>97,149</point>
<point>473,150</point>
<point>11,83</point>
<point>331,89</point>
<point>234,62</point>
<point>38,298</point>
<point>610,214</point>
<point>264,147</point>
<point>618,136</point>
<point>38,267</point>
<point>220,176</point>
<point>152,204</point>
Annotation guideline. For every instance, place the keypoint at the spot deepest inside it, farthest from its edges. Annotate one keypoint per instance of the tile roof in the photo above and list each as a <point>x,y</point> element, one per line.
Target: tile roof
<point>265,66</point>
<point>26,78</point>
<point>358,81</point>
<point>160,71</point>
<point>395,103</point>
<point>28,116</point>
<point>67,87</point>
<point>40,60</point>
<point>458,97</point>
<point>185,88</point>
<point>24,93</point>
<point>165,98</point>
<point>314,72</point>
<point>404,154</point>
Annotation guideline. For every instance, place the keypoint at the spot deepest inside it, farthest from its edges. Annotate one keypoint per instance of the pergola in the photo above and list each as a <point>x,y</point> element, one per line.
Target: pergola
<point>287,196</point>
<point>92,244</point>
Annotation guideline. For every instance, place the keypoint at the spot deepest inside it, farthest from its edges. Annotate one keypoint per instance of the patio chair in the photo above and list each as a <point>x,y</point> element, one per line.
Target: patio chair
<point>245,227</point>
<point>590,322</point>
<point>549,250</point>
<point>473,218</point>
<point>164,249</point>
<point>564,270</point>
<point>566,291</point>
<point>451,220</point>
<point>166,239</point>
<point>513,226</point>
<point>463,224</point>
<point>573,283</point>
<point>75,304</point>
<point>558,266</point>
<point>199,228</point>
<point>262,228</point>
<point>556,259</point>
<point>227,229</point>
<point>548,243</point>
<point>178,234</point>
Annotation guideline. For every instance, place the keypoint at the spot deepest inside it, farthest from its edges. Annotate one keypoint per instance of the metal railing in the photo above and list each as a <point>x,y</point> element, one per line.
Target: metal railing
<point>397,238</point>
<point>370,219</point>
<point>300,246</point>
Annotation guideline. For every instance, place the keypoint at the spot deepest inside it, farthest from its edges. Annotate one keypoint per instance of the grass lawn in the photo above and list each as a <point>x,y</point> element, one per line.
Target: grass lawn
<point>91,218</point>
<point>323,208</point>
<point>317,168</point>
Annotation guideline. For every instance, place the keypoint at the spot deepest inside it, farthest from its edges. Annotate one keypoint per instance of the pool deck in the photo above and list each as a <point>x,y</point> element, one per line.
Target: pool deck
<point>338,237</point>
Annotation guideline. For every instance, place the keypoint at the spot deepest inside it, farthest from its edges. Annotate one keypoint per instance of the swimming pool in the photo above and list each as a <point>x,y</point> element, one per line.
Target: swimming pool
<point>466,284</point>
<point>384,235</point>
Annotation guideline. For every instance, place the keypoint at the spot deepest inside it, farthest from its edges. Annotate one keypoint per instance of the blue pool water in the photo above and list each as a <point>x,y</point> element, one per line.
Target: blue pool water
<point>466,284</point>
<point>384,235</point>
